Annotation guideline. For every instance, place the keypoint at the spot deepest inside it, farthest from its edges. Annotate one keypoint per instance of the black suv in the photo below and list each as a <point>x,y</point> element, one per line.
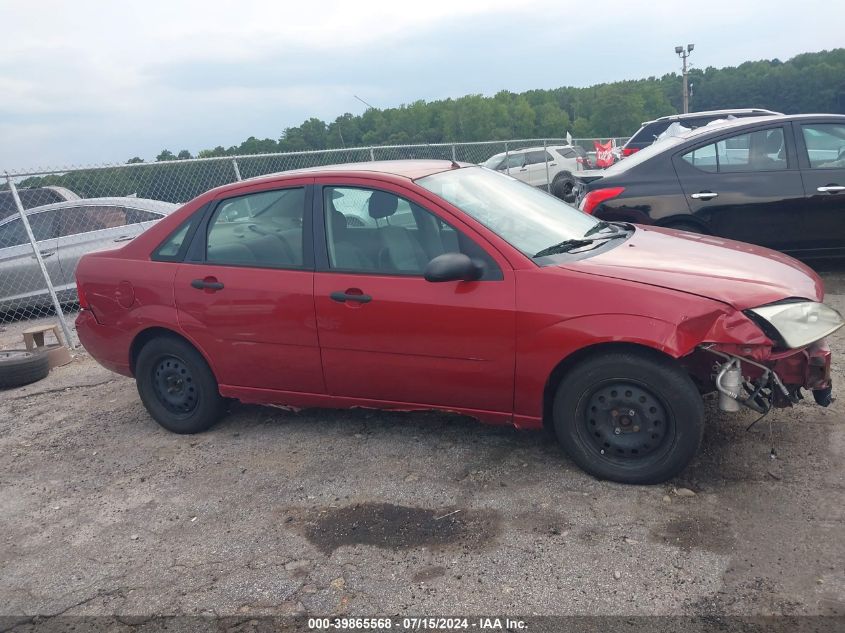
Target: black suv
<point>777,181</point>
<point>650,130</point>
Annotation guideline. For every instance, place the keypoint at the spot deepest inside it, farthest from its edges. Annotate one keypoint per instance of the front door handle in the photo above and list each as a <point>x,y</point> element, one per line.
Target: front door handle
<point>44,254</point>
<point>124,238</point>
<point>209,283</point>
<point>704,195</point>
<point>831,189</point>
<point>343,297</point>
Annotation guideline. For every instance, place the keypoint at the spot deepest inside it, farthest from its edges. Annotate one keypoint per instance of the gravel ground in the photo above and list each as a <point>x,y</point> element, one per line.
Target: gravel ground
<point>362,512</point>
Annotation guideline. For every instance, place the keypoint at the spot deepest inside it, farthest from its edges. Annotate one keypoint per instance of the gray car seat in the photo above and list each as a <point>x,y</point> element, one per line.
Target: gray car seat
<point>346,253</point>
<point>399,250</point>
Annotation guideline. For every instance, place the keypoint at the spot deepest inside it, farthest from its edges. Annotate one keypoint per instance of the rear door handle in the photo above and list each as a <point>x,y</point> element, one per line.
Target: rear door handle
<point>343,297</point>
<point>831,189</point>
<point>704,195</point>
<point>124,238</point>
<point>44,254</point>
<point>207,284</point>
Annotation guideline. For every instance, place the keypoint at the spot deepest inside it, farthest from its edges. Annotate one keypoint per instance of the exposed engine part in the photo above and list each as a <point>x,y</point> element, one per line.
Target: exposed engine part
<point>761,392</point>
<point>729,384</point>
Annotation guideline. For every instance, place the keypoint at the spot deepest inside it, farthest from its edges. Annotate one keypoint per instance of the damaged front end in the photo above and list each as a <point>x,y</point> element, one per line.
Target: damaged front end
<point>769,366</point>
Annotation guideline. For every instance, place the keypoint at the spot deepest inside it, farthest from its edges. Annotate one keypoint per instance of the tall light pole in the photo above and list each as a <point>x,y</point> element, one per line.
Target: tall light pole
<point>683,53</point>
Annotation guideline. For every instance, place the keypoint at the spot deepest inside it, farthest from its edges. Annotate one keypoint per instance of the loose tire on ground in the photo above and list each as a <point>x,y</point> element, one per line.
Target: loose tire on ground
<point>563,187</point>
<point>177,386</point>
<point>22,367</point>
<point>630,417</point>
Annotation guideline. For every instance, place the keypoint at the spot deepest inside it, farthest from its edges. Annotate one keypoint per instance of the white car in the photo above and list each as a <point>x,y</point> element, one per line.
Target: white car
<point>65,231</point>
<point>539,166</point>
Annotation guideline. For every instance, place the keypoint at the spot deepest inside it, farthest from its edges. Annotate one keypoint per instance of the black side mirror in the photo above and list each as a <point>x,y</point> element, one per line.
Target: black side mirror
<point>453,267</point>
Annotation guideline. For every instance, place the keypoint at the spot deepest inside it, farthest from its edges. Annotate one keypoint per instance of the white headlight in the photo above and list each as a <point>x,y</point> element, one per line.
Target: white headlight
<point>802,322</point>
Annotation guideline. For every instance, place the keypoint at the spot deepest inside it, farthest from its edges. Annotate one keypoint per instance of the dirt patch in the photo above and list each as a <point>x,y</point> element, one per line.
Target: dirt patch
<point>688,533</point>
<point>399,527</point>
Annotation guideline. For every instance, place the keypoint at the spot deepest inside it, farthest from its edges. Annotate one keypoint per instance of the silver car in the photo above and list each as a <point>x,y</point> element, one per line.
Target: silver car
<point>65,231</point>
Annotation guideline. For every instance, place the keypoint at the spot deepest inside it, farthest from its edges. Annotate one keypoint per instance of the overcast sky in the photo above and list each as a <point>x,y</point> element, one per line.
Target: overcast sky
<point>89,81</point>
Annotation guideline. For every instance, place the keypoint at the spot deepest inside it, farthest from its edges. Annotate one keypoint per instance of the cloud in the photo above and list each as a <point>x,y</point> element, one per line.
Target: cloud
<point>103,81</point>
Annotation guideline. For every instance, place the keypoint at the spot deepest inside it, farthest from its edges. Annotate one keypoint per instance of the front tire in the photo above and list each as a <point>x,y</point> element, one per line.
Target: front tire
<point>630,417</point>
<point>177,386</point>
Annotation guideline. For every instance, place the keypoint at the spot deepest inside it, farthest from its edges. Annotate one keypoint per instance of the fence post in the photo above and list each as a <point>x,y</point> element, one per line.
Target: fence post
<point>454,155</point>
<point>507,159</point>
<point>546,158</point>
<point>372,155</point>
<point>237,171</point>
<point>37,254</point>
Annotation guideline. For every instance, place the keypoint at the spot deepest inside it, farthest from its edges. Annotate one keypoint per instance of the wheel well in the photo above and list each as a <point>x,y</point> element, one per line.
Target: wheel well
<point>144,337</point>
<point>574,359</point>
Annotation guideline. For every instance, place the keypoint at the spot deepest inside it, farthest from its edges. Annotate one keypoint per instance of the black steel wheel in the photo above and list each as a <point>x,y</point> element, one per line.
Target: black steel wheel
<point>634,416</point>
<point>625,421</point>
<point>174,385</point>
<point>177,386</point>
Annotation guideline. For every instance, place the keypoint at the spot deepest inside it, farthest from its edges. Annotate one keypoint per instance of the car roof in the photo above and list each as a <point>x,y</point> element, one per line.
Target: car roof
<point>751,121</point>
<point>538,148</point>
<point>143,204</point>
<point>709,113</point>
<point>409,168</point>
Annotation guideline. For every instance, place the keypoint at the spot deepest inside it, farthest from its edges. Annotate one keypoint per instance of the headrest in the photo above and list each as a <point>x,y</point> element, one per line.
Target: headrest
<point>382,204</point>
<point>338,222</point>
<point>773,142</point>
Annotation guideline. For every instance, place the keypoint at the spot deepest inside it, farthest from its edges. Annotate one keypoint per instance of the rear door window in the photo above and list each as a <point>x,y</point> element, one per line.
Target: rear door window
<point>262,229</point>
<point>825,143</point>
<point>762,150</point>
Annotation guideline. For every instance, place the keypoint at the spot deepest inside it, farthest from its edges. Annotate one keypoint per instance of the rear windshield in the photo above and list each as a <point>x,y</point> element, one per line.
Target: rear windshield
<point>29,198</point>
<point>648,133</point>
<point>642,156</point>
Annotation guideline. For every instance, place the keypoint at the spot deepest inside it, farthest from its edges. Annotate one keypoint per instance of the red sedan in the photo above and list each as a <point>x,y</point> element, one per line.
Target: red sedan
<point>433,285</point>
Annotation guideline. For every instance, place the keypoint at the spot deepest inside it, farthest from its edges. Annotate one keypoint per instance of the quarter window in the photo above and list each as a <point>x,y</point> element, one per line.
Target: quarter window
<point>371,231</point>
<point>825,145</point>
<point>261,229</point>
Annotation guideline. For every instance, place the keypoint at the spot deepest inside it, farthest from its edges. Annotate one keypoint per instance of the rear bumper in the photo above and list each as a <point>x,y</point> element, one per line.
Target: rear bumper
<point>107,345</point>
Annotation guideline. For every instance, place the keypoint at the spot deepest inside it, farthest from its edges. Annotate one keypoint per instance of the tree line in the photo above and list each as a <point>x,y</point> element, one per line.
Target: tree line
<point>810,82</point>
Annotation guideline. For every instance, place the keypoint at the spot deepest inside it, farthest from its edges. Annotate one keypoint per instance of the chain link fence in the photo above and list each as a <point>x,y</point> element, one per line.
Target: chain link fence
<point>50,218</point>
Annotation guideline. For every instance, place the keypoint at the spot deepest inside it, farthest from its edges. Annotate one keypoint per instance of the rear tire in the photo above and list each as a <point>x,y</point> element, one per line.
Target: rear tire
<point>22,367</point>
<point>630,417</point>
<point>177,386</point>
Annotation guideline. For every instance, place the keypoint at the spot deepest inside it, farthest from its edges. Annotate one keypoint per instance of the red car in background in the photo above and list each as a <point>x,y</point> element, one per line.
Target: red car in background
<point>435,285</point>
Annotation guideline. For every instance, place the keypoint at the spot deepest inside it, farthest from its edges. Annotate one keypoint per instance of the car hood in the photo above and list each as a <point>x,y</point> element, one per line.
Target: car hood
<point>741,275</point>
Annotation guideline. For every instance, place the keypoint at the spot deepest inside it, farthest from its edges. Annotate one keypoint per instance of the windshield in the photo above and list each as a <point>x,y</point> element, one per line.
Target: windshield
<point>525,217</point>
<point>494,161</point>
